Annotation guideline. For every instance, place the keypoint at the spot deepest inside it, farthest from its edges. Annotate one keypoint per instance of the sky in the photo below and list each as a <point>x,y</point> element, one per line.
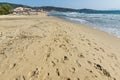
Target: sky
<point>77,4</point>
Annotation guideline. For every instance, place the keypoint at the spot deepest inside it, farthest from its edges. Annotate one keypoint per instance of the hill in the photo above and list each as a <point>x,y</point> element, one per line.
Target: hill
<point>60,9</point>
<point>51,8</point>
<point>14,5</point>
<point>99,11</point>
<point>45,8</point>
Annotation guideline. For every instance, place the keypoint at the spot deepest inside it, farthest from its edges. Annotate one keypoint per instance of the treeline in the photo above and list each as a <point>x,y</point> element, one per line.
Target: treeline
<point>15,5</point>
<point>5,9</point>
<point>60,9</point>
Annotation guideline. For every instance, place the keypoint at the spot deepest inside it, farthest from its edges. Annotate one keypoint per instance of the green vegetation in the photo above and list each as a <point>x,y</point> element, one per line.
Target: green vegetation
<point>15,5</point>
<point>5,9</point>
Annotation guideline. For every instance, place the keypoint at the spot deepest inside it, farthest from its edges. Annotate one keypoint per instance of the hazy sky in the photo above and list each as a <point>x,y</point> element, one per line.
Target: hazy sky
<point>93,4</point>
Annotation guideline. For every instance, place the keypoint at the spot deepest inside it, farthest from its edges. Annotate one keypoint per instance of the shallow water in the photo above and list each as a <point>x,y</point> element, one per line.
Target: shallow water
<point>109,23</point>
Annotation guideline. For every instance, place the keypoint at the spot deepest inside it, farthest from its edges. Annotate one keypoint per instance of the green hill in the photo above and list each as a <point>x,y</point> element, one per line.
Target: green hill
<point>14,5</point>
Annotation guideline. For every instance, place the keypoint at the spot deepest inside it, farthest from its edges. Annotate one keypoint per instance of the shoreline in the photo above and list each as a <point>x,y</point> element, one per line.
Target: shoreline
<point>48,48</point>
<point>93,31</point>
<point>85,25</point>
<point>101,22</point>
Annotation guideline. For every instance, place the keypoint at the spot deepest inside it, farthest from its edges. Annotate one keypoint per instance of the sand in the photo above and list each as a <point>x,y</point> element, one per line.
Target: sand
<point>46,48</point>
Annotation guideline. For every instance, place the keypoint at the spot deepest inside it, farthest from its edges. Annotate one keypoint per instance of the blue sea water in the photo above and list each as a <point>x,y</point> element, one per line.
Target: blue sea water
<point>109,23</point>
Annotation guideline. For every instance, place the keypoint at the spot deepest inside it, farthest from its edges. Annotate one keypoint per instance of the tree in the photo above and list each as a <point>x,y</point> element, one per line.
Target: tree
<point>5,9</point>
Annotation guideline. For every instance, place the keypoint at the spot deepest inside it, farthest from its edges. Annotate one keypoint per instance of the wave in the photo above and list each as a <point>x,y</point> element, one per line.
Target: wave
<point>109,23</point>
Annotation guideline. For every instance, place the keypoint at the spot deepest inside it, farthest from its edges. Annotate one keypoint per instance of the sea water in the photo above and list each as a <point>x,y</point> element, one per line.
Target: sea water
<point>109,23</point>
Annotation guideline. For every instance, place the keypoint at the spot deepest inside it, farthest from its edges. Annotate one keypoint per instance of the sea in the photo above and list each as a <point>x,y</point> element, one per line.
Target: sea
<point>107,22</point>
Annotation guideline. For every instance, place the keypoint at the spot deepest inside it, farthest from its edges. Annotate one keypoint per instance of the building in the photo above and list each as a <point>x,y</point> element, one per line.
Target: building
<point>24,11</point>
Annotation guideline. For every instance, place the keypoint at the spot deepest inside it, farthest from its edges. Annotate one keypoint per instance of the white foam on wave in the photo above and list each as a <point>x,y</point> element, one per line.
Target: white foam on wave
<point>112,30</point>
<point>78,20</point>
<point>109,23</point>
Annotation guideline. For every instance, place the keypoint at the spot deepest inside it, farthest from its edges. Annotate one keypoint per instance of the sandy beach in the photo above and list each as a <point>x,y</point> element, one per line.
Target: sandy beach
<point>43,47</point>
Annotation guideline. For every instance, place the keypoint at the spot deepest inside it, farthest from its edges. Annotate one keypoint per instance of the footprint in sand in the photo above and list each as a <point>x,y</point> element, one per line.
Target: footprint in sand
<point>100,68</point>
<point>66,58</point>
<point>72,69</point>
<point>12,66</point>
<point>78,63</point>
<point>80,56</point>
<point>96,49</point>
<point>57,71</point>
<point>34,74</point>
<point>22,77</point>
<point>78,78</point>
<point>102,49</point>
<point>53,63</point>
<point>89,62</point>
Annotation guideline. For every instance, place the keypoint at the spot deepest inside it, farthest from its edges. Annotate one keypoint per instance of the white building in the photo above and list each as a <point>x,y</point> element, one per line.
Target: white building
<point>24,11</point>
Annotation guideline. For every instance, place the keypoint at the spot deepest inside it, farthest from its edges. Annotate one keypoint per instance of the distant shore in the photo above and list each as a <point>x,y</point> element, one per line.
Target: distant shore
<point>41,47</point>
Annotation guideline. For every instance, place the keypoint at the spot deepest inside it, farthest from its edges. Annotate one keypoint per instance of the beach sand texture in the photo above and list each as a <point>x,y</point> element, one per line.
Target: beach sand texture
<point>46,48</point>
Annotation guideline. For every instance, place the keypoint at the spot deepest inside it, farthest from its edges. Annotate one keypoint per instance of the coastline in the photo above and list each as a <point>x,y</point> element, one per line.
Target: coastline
<point>103,22</point>
<point>98,34</point>
<point>45,47</point>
